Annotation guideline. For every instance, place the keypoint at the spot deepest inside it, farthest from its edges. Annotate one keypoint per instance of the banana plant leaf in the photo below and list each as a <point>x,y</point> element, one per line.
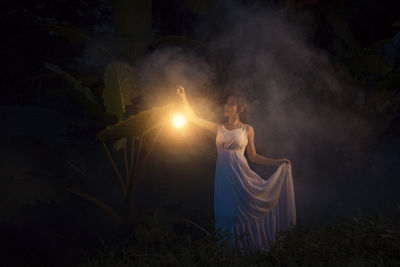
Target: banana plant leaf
<point>137,125</point>
<point>375,48</point>
<point>75,36</point>
<point>120,88</point>
<point>377,64</point>
<point>391,82</point>
<point>83,94</point>
<point>353,53</point>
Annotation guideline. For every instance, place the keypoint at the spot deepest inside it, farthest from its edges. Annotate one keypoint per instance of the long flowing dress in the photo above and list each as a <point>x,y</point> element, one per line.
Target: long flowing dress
<point>246,205</point>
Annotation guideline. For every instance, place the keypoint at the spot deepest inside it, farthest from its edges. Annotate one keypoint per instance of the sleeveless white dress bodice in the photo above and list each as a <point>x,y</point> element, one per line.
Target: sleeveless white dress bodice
<point>246,204</point>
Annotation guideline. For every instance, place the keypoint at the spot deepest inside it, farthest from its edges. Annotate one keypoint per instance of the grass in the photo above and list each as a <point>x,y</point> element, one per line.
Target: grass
<point>364,240</point>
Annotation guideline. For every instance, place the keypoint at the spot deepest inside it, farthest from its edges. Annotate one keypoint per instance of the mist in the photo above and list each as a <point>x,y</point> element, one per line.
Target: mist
<point>321,80</point>
<point>300,106</point>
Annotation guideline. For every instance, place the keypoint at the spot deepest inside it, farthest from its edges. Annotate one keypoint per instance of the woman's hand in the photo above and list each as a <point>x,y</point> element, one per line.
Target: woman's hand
<point>181,92</point>
<point>280,161</point>
<point>192,117</point>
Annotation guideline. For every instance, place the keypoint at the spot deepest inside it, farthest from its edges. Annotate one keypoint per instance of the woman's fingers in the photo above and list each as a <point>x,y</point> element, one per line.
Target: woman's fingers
<point>180,91</point>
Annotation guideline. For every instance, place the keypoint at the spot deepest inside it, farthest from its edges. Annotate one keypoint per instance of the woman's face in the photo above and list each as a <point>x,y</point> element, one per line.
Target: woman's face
<point>230,107</point>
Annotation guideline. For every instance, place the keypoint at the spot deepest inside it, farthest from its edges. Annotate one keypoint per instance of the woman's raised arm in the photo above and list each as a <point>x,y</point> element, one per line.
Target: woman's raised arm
<point>192,117</point>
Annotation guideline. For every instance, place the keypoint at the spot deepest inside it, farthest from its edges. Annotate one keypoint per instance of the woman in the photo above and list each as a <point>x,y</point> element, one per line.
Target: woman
<point>247,207</point>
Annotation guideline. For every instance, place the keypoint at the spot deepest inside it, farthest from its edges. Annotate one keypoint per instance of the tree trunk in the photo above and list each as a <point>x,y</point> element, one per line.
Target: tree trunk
<point>133,19</point>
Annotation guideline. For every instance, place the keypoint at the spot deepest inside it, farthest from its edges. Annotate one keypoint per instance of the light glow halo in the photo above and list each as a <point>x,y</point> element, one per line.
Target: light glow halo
<point>178,120</point>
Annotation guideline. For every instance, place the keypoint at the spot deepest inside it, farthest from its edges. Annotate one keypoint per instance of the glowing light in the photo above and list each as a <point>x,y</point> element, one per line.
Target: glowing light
<point>179,120</point>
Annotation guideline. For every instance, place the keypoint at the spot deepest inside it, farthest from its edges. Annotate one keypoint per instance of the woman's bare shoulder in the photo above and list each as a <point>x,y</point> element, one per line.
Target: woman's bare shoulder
<point>249,127</point>
<point>249,130</point>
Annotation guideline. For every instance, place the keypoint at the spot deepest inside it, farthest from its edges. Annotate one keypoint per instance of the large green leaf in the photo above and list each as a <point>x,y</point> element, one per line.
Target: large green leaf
<point>137,125</point>
<point>376,47</point>
<point>75,36</point>
<point>120,88</point>
<point>74,82</point>
<point>83,94</point>
<point>390,82</point>
<point>346,46</point>
<point>377,64</point>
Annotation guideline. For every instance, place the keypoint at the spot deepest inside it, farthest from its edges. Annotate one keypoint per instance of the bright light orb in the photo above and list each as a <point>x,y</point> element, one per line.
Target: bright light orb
<point>179,120</point>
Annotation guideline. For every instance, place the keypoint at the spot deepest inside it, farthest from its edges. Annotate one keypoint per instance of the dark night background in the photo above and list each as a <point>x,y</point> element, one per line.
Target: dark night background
<point>322,80</point>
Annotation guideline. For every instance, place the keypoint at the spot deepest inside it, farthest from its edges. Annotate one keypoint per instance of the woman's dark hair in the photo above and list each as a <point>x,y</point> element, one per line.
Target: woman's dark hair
<point>241,103</point>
